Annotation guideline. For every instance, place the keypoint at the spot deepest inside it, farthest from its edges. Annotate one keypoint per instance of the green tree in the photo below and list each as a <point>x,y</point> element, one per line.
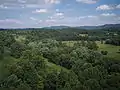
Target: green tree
<point>16,49</point>
<point>92,84</point>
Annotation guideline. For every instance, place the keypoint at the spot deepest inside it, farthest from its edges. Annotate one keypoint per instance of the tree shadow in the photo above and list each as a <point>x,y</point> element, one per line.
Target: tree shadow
<point>118,52</point>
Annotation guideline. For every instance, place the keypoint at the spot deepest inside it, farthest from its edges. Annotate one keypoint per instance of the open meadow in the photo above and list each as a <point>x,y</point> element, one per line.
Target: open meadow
<point>113,51</point>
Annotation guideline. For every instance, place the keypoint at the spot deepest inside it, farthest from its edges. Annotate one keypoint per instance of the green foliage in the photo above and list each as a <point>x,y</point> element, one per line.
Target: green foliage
<point>17,49</point>
<point>104,52</point>
<point>92,84</point>
<point>92,45</point>
<point>62,81</point>
<point>27,72</point>
<point>39,63</point>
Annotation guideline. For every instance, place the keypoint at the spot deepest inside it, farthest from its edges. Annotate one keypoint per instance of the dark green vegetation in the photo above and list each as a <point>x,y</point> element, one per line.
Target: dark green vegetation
<point>113,51</point>
<point>40,60</point>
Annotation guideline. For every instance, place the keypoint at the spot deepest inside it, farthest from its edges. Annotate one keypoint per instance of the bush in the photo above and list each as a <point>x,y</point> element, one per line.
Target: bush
<point>104,52</point>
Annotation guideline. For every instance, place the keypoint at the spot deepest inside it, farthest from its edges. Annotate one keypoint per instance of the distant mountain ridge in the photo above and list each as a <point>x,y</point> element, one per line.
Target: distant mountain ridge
<point>106,26</point>
<point>57,27</point>
<point>86,27</point>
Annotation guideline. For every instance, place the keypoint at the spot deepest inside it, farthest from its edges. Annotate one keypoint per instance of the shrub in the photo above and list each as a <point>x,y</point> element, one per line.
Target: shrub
<point>104,52</point>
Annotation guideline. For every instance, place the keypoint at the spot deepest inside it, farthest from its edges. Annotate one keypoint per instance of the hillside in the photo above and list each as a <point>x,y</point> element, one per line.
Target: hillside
<point>106,26</point>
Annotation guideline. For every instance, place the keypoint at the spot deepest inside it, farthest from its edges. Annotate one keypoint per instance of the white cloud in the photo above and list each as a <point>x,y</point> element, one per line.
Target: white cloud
<point>32,6</point>
<point>59,14</point>
<point>118,6</point>
<point>3,7</point>
<point>84,17</point>
<point>104,7</point>
<point>108,14</point>
<point>57,10</point>
<point>40,21</point>
<point>40,11</point>
<point>81,17</point>
<point>22,1</point>
<point>10,21</point>
<point>108,7</point>
<point>55,17</point>
<point>88,1</point>
<point>92,16</point>
<point>52,1</point>
<point>37,21</point>
<point>32,18</point>
<point>50,20</point>
<point>15,4</point>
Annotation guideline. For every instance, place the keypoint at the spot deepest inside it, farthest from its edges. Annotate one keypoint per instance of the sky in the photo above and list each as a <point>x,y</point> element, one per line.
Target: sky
<point>45,13</point>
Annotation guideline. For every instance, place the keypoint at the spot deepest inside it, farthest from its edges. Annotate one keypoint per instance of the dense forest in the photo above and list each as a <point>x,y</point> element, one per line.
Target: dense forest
<point>37,59</point>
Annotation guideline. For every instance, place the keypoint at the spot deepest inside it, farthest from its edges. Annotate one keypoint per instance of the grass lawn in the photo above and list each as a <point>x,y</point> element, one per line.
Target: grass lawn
<point>53,67</point>
<point>113,51</point>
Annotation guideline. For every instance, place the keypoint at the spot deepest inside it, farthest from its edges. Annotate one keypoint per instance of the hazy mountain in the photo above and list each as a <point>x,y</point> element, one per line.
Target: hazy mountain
<point>111,26</point>
<point>87,27</point>
<point>57,27</point>
<point>106,26</point>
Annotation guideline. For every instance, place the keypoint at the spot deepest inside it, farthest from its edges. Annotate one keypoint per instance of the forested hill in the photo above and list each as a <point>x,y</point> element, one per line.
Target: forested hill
<point>40,60</point>
<point>68,34</point>
<point>106,26</point>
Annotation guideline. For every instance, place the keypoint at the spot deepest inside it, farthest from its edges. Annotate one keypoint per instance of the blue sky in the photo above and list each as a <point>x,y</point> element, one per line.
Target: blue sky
<point>42,13</point>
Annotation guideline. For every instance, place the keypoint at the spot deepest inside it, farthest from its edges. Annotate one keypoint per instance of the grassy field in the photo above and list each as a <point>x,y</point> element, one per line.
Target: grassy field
<point>113,51</point>
<point>53,67</point>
